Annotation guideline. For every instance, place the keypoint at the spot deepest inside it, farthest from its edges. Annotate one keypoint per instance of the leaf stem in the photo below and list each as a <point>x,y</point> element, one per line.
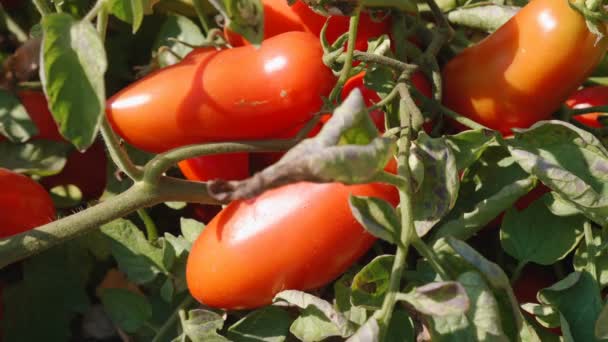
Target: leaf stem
<point>431,256</point>
<point>12,26</point>
<point>386,61</point>
<point>43,7</point>
<point>95,10</point>
<point>151,231</point>
<point>348,59</point>
<point>591,267</point>
<point>517,272</point>
<point>172,320</point>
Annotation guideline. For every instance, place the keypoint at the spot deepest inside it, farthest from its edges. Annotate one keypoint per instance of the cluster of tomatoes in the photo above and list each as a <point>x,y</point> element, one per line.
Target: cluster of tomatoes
<point>303,235</point>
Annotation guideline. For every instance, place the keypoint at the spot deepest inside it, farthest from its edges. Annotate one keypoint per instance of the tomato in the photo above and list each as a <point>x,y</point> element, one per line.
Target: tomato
<point>24,204</point>
<point>300,236</point>
<point>522,73</point>
<point>204,212</point>
<point>234,166</point>
<point>279,17</point>
<point>240,93</point>
<point>589,97</point>
<point>85,170</point>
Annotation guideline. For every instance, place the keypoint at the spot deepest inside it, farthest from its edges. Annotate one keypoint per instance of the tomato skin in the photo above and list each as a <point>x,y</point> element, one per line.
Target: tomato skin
<point>589,97</point>
<point>521,73</point>
<point>279,17</point>
<point>85,170</point>
<point>24,204</point>
<point>233,166</point>
<point>300,236</point>
<point>209,96</point>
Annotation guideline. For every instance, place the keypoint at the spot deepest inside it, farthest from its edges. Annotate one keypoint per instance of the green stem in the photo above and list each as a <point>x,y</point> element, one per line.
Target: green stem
<point>389,178</point>
<point>447,112</point>
<point>444,31</point>
<point>172,320</point>
<point>140,195</point>
<point>517,272</point>
<point>383,60</point>
<point>385,101</point>
<point>591,267</point>
<point>348,60</point>
<point>12,26</point>
<point>200,12</point>
<point>95,10</point>
<point>151,231</point>
<point>431,256</point>
<point>594,109</point>
<point>43,7</point>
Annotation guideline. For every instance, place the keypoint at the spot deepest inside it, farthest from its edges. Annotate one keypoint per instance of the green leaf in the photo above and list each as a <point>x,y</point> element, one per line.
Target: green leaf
<point>546,315</point>
<point>577,297</point>
<point>268,324</point>
<point>180,29</point>
<point>437,299</point>
<point>371,283</point>
<point>129,11</point>
<point>570,161</point>
<point>379,79</point>
<point>317,312</point>
<point>342,301</point>
<point>368,332</point>
<point>167,290</point>
<point>468,146</point>
<point>127,309</point>
<point>191,229</point>
<point>15,122</point>
<point>377,216</point>
<point>401,327</point>
<point>559,206</point>
<point>484,17</point>
<point>39,157</point>
<point>65,196</point>
<point>246,18</point>
<point>72,73</point>
<point>439,189</point>
<point>536,235</point>
<point>490,186</point>
<point>135,255</point>
<point>581,260</point>
<point>202,326</point>
<point>601,326</point>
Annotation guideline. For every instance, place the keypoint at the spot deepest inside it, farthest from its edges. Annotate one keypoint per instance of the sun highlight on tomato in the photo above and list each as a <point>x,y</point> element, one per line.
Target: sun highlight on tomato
<point>300,236</point>
<point>524,71</point>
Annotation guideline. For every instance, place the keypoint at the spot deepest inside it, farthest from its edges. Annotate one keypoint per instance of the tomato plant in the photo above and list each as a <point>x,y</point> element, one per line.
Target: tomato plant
<point>191,102</point>
<point>521,73</point>
<point>24,204</point>
<point>255,248</point>
<point>281,17</point>
<point>589,97</point>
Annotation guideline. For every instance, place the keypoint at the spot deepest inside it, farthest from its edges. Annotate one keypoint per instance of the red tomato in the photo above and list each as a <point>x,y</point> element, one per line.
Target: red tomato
<point>85,170</point>
<point>204,212</point>
<point>24,204</point>
<point>234,166</point>
<point>10,4</point>
<point>279,17</point>
<point>589,97</point>
<point>240,93</point>
<point>522,73</point>
<point>299,236</point>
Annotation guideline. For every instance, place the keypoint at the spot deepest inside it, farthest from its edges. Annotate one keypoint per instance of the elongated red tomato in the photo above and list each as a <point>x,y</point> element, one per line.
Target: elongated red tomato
<point>24,204</point>
<point>522,72</point>
<point>279,17</point>
<point>299,236</point>
<point>240,93</point>
<point>233,166</point>
<point>589,97</point>
<point>85,170</point>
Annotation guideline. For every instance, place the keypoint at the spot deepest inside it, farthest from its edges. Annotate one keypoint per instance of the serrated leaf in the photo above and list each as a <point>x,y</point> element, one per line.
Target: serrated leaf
<point>370,284</point>
<point>484,17</point>
<point>313,326</point>
<point>379,79</point>
<point>437,299</point>
<point>536,235</point>
<point>570,161</point>
<point>559,206</point>
<point>439,189</point>
<point>468,146</point>
<point>546,315</point>
<point>567,296</point>
<point>15,122</point>
<point>39,157</point>
<point>72,72</point>
<point>127,309</point>
<point>191,229</point>
<point>377,216</point>
<point>600,257</point>
<point>180,29</point>
<point>135,255</point>
<point>202,326</point>
<point>268,324</point>
<point>179,243</point>
<point>305,300</point>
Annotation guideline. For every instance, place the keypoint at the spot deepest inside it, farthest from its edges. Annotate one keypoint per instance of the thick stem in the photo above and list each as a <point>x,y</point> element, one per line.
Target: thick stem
<point>43,7</point>
<point>348,61</point>
<point>151,231</point>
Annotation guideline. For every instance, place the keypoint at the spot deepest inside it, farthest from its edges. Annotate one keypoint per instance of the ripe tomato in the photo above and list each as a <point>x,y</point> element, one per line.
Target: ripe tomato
<point>522,72</point>
<point>589,97</point>
<point>240,93</point>
<point>300,236</point>
<point>24,204</point>
<point>233,166</point>
<point>279,17</point>
<point>85,170</point>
